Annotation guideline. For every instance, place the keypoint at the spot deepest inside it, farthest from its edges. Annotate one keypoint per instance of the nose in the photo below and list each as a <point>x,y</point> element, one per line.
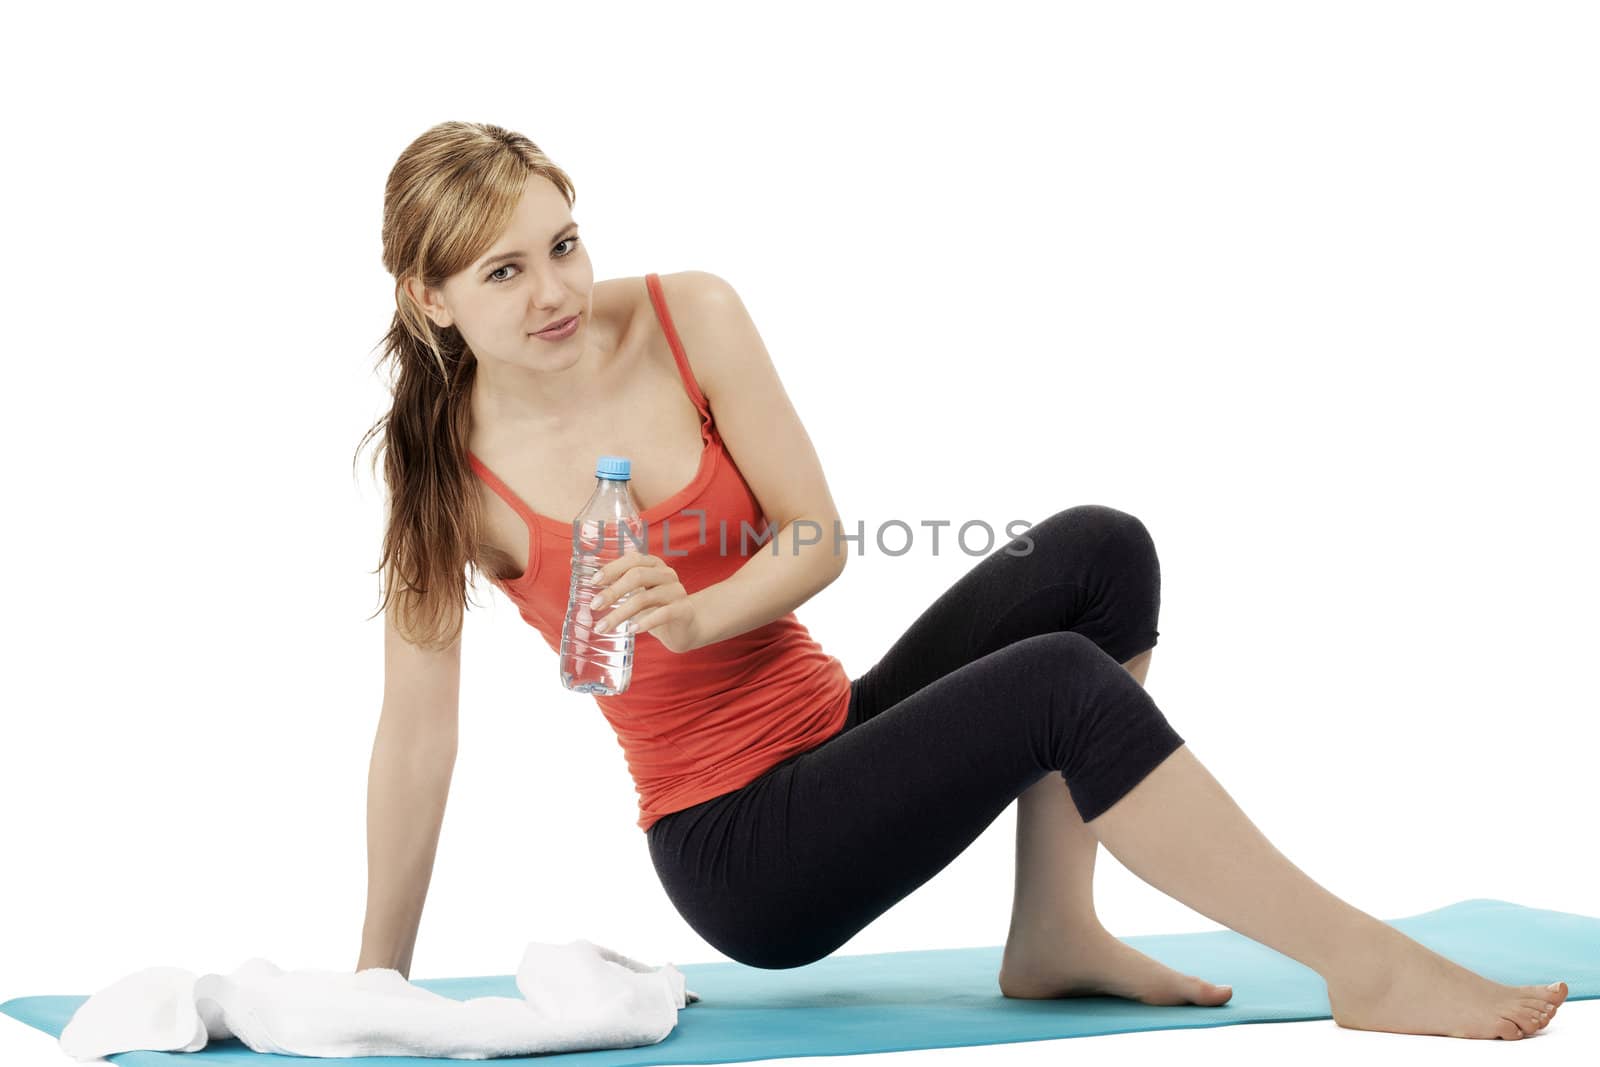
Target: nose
<point>546,293</point>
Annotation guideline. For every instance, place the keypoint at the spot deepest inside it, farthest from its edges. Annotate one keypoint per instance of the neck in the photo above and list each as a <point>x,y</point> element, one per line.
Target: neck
<point>509,395</point>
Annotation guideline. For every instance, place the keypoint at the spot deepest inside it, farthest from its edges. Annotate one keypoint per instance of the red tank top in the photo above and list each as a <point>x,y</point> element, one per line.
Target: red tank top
<point>698,724</point>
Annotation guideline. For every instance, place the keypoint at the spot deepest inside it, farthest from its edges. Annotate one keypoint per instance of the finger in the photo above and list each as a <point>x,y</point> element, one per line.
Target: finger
<point>638,578</point>
<point>664,598</point>
<point>625,611</point>
<point>629,560</point>
<point>651,619</point>
<point>608,572</point>
<point>618,589</point>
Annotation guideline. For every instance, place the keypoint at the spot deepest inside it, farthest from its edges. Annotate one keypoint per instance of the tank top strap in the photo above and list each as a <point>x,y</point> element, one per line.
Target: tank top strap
<point>502,490</point>
<point>515,502</point>
<point>659,300</point>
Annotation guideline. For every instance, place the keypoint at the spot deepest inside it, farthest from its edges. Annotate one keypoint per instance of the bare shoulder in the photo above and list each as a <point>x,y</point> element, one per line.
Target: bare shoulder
<point>698,291</point>
<point>708,315</point>
<point>759,424</point>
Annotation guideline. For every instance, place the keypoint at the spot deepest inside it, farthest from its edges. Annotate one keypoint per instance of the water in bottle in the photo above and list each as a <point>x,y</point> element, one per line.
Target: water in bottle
<point>608,526</point>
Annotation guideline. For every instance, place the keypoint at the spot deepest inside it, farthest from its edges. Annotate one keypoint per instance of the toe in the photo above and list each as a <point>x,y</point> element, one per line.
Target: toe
<point>1528,1019</point>
<point>1540,1011</point>
<point>1548,995</point>
<point>1508,1030</point>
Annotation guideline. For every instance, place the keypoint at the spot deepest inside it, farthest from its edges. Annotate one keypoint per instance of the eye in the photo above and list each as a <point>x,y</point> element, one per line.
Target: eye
<point>573,240</point>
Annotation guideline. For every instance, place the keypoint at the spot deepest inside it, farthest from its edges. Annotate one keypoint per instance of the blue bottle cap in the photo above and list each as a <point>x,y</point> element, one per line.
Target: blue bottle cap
<point>613,467</point>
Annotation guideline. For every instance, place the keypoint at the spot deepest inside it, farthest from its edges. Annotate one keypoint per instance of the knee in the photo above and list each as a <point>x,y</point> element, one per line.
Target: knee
<point>1077,677</point>
<point>1063,655</point>
<point>1103,537</point>
<point>1128,545</point>
<point>1103,523</point>
<point>1091,720</point>
<point>1096,524</point>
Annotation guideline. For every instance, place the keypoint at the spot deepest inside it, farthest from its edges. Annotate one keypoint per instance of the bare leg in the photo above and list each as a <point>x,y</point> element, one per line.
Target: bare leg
<point>1180,831</point>
<point>1056,946</point>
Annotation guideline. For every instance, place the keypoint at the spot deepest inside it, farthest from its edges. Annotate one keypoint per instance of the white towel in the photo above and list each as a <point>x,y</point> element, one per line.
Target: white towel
<point>575,997</point>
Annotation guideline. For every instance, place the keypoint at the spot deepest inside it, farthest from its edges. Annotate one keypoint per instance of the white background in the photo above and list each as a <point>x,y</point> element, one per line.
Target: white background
<point>1310,289</point>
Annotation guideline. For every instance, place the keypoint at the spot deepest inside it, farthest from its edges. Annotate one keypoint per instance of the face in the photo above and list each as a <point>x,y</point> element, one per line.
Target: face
<point>535,274</point>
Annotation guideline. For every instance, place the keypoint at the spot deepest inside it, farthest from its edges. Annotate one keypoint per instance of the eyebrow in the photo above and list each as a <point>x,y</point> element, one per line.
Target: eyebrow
<point>503,256</point>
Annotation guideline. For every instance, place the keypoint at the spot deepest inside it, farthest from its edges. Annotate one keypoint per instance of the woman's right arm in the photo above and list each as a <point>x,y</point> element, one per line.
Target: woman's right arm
<point>408,780</point>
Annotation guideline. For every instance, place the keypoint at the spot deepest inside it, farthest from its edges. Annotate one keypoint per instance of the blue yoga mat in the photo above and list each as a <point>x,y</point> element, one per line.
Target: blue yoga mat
<point>943,998</point>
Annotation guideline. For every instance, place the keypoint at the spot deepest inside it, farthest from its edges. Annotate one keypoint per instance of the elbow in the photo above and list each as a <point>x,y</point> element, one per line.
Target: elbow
<point>836,562</point>
<point>828,552</point>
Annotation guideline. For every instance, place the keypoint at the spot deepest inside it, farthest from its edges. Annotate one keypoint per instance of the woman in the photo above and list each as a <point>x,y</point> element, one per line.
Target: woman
<point>785,805</point>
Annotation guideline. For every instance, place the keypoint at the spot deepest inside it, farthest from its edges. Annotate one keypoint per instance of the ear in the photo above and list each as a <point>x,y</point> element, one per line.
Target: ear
<point>428,300</point>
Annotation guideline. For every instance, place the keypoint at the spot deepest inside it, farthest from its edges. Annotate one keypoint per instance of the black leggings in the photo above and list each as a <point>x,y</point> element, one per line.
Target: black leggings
<point>1014,673</point>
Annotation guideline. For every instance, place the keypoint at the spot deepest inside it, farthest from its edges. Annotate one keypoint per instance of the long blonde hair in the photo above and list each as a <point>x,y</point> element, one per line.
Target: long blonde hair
<point>448,197</point>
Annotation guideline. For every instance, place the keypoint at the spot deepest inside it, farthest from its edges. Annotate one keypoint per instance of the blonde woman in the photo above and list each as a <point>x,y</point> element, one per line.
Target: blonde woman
<point>785,804</point>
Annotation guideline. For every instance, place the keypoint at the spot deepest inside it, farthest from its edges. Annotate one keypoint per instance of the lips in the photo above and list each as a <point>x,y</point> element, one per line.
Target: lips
<point>558,325</point>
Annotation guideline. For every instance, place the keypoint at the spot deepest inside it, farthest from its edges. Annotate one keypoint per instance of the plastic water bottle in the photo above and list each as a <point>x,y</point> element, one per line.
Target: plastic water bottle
<point>608,526</point>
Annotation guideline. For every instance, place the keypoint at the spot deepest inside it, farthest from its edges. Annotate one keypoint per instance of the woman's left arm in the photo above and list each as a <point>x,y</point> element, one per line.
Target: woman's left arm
<point>769,444</point>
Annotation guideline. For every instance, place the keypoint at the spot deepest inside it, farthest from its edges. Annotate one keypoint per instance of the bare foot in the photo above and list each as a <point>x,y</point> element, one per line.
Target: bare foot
<point>1097,964</point>
<point>1401,986</point>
